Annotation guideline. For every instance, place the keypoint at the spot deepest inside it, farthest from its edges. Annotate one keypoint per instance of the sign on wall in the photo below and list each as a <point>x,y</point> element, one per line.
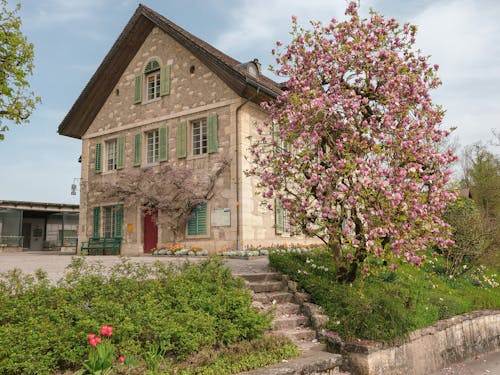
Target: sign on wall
<point>221,217</point>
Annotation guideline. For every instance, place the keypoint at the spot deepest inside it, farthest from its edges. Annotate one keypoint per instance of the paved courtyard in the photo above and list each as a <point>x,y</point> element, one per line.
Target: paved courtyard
<point>55,263</point>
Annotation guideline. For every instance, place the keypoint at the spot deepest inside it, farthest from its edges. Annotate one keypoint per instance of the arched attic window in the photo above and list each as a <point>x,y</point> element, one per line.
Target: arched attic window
<point>157,81</point>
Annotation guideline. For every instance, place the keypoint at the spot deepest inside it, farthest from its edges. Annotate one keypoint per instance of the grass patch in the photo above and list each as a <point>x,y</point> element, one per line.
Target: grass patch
<point>158,313</point>
<point>385,304</point>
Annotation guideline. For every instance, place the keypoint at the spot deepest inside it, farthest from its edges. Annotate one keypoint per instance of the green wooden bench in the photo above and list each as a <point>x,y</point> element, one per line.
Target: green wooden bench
<point>102,246</point>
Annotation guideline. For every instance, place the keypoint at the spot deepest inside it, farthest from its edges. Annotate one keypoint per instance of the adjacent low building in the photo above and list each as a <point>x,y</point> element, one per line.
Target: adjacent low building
<point>36,226</point>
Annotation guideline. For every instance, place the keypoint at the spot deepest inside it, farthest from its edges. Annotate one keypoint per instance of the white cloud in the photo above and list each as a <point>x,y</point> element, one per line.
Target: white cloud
<point>50,13</point>
<point>258,24</point>
<point>462,36</point>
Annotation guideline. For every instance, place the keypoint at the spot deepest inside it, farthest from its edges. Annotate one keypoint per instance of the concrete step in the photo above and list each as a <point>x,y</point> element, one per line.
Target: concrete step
<point>266,286</point>
<point>299,334</point>
<point>286,308</point>
<point>289,321</point>
<point>260,277</point>
<point>311,362</point>
<point>273,297</point>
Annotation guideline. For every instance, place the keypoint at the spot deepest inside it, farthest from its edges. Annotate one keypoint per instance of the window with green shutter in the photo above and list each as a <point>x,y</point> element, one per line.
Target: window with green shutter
<point>137,150</point>
<point>197,225</point>
<point>165,80</point>
<point>181,140</point>
<point>278,216</point>
<point>138,89</point>
<point>120,153</point>
<point>98,158</point>
<point>163,152</point>
<point>96,229</point>
<point>213,143</point>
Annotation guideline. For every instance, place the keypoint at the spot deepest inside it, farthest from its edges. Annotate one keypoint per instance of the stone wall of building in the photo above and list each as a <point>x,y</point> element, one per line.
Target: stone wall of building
<point>258,220</point>
<point>195,92</point>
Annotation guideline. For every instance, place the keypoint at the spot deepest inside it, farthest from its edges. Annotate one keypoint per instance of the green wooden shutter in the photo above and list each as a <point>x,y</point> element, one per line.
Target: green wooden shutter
<point>137,150</point>
<point>97,222</point>
<point>182,140</point>
<point>120,153</point>
<point>98,158</point>
<point>163,151</point>
<point>138,89</point>
<point>213,143</point>
<point>118,221</point>
<point>165,80</point>
<point>197,225</point>
<point>202,218</point>
<point>278,216</point>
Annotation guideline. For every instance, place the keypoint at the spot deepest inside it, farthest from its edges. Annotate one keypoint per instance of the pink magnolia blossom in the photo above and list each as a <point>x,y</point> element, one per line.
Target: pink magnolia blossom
<point>363,171</point>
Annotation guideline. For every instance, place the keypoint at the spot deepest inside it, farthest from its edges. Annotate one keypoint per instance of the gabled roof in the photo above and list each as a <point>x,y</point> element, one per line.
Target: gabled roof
<point>100,86</point>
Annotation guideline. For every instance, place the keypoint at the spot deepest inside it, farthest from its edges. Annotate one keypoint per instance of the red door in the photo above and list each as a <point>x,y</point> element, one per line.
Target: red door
<point>150,231</point>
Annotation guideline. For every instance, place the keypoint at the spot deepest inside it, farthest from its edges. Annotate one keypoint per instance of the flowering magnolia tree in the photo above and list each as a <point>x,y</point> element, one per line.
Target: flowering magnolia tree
<point>351,146</point>
<point>174,190</point>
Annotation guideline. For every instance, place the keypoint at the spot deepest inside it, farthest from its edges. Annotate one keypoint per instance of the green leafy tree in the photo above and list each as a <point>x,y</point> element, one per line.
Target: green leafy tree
<point>482,178</point>
<point>17,102</point>
<point>481,168</point>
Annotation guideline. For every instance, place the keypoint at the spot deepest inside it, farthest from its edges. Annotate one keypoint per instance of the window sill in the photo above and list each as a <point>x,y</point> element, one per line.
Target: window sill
<point>194,157</point>
<point>151,100</point>
<point>198,236</point>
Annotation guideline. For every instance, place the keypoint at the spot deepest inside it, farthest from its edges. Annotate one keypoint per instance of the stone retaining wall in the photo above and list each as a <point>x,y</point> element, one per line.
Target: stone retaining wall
<point>426,350</point>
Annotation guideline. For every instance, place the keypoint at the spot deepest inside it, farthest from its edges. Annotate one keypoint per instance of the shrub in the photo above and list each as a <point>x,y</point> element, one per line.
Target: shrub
<point>182,310</point>
<point>468,233</point>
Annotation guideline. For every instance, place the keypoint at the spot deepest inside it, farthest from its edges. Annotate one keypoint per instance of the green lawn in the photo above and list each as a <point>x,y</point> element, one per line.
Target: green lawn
<point>385,304</point>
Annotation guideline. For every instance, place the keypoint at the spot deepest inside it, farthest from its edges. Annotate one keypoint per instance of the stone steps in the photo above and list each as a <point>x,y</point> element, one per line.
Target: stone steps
<point>273,298</point>
<point>266,286</point>
<point>271,293</point>
<point>293,315</point>
<point>285,321</point>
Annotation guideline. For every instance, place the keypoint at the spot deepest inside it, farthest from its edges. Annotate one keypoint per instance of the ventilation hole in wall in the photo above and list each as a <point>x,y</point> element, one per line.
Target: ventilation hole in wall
<point>191,69</point>
<point>117,92</point>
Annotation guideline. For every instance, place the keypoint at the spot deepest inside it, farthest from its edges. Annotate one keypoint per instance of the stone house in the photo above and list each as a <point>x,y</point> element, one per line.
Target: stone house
<point>162,95</point>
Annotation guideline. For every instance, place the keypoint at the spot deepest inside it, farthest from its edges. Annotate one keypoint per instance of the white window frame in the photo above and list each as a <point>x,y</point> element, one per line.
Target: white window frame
<point>108,221</point>
<point>153,85</point>
<point>152,146</point>
<point>199,137</point>
<point>111,154</point>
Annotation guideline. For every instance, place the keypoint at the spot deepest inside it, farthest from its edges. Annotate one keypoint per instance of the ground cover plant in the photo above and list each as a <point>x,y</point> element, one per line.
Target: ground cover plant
<point>160,315</point>
<point>388,302</point>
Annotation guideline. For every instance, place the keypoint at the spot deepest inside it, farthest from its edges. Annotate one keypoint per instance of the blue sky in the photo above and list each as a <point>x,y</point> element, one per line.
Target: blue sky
<point>72,37</point>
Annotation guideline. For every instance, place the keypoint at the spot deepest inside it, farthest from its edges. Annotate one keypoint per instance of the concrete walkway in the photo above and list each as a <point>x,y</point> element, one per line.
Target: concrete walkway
<point>487,364</point>
<point>55,263</point>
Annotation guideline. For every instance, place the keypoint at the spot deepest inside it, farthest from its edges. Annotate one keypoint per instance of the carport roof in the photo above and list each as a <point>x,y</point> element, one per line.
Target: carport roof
<point>40,206</point>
